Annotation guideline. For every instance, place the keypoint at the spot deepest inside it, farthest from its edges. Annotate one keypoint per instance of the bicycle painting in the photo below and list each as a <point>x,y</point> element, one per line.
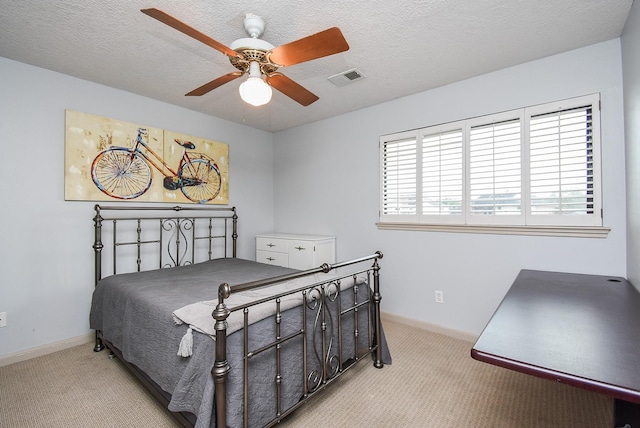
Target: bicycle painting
<point>125,162</point>
<point>125,173</point>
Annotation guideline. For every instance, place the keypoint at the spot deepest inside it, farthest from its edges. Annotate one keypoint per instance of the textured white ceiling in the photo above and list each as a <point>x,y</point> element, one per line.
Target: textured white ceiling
<point>402,47</point>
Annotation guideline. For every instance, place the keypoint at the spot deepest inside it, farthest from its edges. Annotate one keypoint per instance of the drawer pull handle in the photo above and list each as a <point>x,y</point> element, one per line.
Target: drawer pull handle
<point>300,248</point>
<point>270,259</point>
<point>271,245</point>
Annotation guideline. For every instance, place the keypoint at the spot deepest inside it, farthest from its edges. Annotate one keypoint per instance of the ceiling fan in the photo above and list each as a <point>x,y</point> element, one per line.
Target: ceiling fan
<point>258,57</point>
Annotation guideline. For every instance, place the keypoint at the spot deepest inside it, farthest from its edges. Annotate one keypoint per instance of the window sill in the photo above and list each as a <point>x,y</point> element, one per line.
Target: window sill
<point>574,231</point>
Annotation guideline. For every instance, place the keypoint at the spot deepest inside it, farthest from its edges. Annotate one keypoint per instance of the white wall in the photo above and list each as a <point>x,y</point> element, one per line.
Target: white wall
<point>46,266</point>
<point>631,69</point>
<point>327,182</point>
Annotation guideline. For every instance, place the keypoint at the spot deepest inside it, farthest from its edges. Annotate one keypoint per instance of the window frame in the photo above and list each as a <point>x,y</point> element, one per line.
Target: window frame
<point>588,225</point>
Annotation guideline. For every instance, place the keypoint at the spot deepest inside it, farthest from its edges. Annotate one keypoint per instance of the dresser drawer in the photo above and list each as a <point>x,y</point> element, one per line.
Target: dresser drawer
<point>301,254</point>
<point>295,251</point>
<point>272,258</point>
<point>272,244</point>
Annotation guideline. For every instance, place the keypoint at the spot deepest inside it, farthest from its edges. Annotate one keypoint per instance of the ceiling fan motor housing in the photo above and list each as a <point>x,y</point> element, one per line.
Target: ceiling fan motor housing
<point>252,48</point>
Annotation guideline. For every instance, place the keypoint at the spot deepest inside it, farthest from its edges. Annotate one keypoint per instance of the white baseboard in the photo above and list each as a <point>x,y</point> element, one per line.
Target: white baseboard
<point>49,348</point>
<point>456,334</point>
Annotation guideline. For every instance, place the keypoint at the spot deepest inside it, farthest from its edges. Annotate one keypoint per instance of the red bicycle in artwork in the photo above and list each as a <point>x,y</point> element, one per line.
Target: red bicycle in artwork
<point>125,173</point>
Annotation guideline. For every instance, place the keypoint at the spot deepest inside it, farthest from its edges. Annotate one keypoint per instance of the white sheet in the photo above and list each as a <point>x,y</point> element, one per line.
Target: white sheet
<point>199,315</point>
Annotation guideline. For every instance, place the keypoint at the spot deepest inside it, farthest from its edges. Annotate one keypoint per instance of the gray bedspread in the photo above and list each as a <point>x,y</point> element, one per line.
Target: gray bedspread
<point>134,312</point>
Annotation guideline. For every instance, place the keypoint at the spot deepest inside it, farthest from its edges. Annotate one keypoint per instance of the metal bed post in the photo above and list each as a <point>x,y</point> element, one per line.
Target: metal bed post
<point>221,366</point>
<point>234,235</point>
<point>97,244</point>
<point>376,303</point>
<point>97,248</point>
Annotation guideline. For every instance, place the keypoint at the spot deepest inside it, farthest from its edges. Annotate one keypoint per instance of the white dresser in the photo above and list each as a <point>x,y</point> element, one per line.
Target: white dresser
<point>295,251</point>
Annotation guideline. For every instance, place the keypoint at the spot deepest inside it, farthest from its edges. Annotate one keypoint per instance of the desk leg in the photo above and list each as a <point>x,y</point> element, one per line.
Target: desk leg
<point>626,414</point>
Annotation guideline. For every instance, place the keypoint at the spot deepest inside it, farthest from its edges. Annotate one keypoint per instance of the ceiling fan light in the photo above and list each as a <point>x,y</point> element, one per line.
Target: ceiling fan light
<point>255,91</point>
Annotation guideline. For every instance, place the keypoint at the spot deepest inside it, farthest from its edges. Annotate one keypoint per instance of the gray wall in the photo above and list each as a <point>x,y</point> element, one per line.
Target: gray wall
<point>46,265</point>
<point>631,68</point>
<point>327,182</point>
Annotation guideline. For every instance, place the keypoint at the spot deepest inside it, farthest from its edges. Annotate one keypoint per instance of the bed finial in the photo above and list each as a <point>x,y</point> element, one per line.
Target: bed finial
<point>224,291</point>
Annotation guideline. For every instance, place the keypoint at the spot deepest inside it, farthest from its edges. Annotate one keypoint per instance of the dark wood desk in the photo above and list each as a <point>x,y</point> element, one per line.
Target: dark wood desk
<point>582,330</point>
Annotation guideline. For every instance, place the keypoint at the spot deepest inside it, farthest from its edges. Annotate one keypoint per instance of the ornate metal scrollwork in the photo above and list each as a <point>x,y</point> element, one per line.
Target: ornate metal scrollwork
<point>314,379</point>
<point>332,290</point>
<point>177,246</point>
<point>317,300</point>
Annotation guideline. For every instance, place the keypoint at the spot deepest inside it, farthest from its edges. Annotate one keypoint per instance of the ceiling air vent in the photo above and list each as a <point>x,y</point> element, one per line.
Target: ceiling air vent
<point>345,77</point>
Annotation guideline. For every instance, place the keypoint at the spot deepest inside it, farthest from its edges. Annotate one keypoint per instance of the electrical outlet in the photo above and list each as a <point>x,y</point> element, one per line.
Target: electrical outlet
<point>3,319</point>
<point>439,296</point>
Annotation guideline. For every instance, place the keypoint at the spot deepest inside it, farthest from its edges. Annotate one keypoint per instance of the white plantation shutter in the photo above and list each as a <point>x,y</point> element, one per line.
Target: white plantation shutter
<point>495,169</point>
<point>561,170</point>
<point>442,174</point>
<point>536,166</point>
<point>399,179</point>
<point>563,177</point>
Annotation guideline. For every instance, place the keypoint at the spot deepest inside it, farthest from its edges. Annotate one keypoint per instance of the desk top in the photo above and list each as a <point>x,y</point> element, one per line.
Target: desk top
<point>583,330</point>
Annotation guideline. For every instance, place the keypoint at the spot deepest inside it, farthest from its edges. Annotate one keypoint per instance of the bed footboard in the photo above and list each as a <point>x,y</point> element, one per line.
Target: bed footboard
<point>332,361</point>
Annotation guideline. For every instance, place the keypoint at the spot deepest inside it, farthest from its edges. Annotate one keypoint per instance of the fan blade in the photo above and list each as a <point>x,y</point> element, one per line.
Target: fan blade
<point>208,87</point>
<point>189,31</point>
<point>292,89</point>
<point>324,43</point>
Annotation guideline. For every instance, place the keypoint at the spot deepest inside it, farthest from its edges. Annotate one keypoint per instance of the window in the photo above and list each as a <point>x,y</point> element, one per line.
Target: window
<point>536,166</point>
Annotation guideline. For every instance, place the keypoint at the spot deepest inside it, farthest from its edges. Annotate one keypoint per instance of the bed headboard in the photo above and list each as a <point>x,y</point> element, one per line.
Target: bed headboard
<point>138,238</point>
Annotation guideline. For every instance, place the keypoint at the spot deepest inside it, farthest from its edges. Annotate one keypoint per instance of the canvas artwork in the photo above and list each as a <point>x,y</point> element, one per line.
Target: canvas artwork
<point>108,159</point>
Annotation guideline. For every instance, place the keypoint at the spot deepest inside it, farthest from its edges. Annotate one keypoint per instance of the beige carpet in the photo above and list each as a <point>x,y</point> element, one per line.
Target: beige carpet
<point>433,382</point>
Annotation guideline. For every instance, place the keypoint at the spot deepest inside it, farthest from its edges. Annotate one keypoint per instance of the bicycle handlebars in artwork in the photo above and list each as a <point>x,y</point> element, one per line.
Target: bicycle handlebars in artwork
<point>120,166</point>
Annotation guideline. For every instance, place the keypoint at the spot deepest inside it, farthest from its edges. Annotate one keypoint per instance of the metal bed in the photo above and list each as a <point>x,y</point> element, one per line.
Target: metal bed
<point>340,316</point>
